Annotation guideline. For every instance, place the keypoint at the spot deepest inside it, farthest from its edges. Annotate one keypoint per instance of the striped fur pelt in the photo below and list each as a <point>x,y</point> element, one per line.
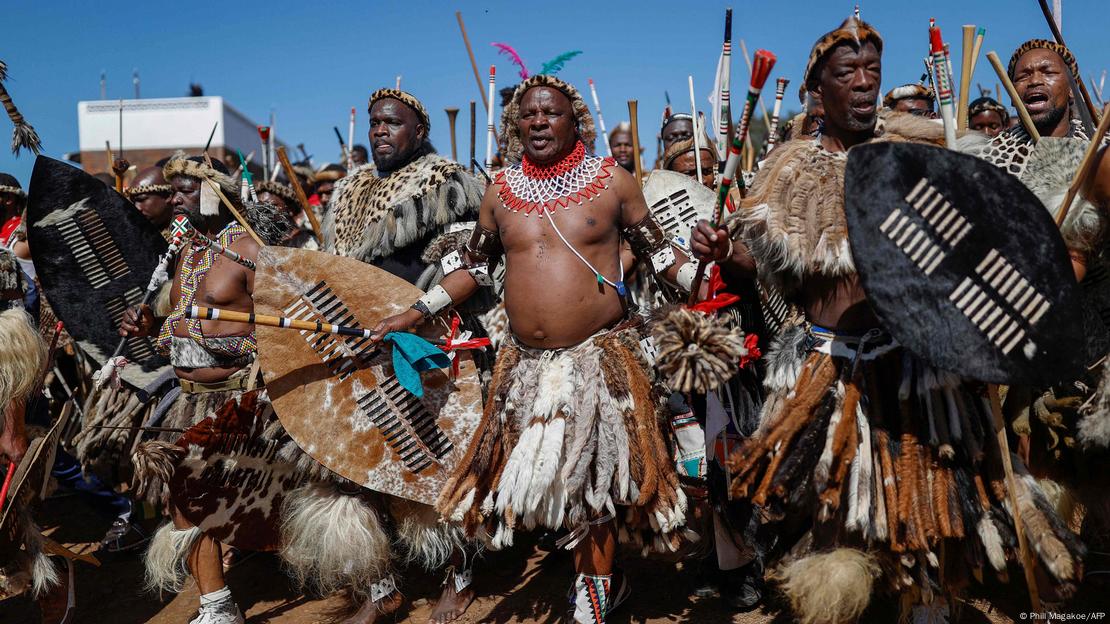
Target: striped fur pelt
<point>892,453</point>
<point>567,436</point>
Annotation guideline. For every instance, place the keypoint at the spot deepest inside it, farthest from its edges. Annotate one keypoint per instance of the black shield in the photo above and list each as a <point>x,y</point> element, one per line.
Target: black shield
<point>94,253</point>
<point>963,264</point>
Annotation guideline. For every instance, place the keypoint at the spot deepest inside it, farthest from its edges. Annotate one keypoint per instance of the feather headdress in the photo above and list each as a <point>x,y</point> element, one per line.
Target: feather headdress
<point>24,136</point>
<point>507,50</point>
<point>556,64</point>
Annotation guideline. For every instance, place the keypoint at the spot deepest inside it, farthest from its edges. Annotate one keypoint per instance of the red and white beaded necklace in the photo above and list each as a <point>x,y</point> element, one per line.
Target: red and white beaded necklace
<point>573,180</point>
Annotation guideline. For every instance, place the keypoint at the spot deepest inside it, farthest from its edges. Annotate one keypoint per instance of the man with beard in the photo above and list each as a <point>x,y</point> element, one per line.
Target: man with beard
<point>570,430</point>
<point>840,372</point>
<point>150,193</point>
<point>986,115</point>
<point>620,143</point>
<point>212,359</point>
<point>910,98</point>
<point>387,215</point>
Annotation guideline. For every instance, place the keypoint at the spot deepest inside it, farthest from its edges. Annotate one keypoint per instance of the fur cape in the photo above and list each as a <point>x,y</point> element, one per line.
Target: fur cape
<point>370,217</point>
<point>567,436</point>
<point>793,221</point>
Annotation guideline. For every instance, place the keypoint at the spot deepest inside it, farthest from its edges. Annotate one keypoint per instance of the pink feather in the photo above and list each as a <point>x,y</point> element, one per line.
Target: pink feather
<point>507,50</point>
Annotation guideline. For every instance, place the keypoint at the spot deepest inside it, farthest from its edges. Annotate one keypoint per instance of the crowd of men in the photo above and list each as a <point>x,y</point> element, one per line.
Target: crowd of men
<point>827,462</point>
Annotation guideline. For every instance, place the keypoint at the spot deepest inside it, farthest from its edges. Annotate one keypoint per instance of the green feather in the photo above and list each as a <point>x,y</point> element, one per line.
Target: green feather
<point>553,66</point>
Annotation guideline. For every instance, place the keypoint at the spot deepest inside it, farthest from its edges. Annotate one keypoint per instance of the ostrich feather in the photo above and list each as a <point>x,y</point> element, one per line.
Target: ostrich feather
<point>507,50</point>
<point>556,64</point>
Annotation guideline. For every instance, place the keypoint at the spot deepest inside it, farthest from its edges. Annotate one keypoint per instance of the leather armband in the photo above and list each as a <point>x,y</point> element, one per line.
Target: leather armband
<point>433,302</point>
<point>485,245</point>
<point>649,243</point>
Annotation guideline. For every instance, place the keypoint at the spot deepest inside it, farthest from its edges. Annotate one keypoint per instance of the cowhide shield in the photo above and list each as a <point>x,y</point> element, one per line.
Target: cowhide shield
<point>231,483</point>
<point>678,202</point>
<point>95,253</point>
<point>338,397</point>
<point>33,472</point>
<point>962,264</point>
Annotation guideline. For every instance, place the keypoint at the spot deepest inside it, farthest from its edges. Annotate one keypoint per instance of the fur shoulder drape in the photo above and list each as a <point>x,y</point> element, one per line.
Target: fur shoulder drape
<point>370,217</point>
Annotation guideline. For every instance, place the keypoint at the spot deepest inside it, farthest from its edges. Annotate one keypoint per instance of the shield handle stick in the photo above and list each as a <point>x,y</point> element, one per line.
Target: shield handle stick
<point>292,177</point>
<point>1008,467</point>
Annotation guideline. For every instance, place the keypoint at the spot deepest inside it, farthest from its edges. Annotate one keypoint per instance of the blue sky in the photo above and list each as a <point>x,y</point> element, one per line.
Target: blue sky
<point>312,61</point>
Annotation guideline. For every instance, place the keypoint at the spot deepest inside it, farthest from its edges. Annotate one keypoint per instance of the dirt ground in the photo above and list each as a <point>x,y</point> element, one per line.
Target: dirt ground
<point>523,584</point>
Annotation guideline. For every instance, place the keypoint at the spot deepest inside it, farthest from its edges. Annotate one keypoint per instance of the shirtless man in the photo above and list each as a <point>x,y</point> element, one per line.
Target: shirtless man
<point>212,369</point>
<point>565,299</point>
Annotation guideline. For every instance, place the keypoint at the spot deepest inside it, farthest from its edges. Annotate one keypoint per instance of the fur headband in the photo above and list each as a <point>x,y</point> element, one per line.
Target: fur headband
<point>157,189</point>
<point>908,91</point>
<point>179,165</point>
<point>852,31</point>
<point>405,98</point>
<point>283,191</point>
<point>984,104</point>
<point>12,190</point>
<point>1043,44</point>
<point>510,134</point>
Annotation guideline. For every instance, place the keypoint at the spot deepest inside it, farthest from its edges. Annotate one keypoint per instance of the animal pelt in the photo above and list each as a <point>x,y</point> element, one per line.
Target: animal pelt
<point>1048,173</point>
<point>1093,428</point>
<point>11,280</point>
<point>696,353</point>
<point>154,462</point>
<point>99,447</point>
<point>784,360</point>
<point>1055,545</point>
<point>332,541</point>
<point>829,588</point>
<point>444,244</point>
<point>22,354</point>
<point>272,224</point>
<point>166,559</point>
<point>24,563</point>
<point>793,220</point>
<point>370,217</point>
<point>567,435</point>
<point>421,536</point>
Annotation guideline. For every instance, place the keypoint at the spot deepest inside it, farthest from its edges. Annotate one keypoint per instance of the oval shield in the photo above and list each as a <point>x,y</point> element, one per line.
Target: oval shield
<point>962,264</point>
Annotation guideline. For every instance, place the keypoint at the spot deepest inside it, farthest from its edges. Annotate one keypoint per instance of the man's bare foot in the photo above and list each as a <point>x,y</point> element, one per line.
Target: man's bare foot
<point>456,597</point>
<point>370,610</point>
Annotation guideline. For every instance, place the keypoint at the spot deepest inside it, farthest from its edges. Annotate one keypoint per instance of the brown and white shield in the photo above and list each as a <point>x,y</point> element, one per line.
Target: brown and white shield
<point>231,482</point>
<point>338,397</point>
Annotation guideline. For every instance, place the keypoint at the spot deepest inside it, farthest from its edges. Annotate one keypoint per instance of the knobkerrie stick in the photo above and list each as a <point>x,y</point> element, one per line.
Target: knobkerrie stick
<point>281,322</point>
<point>1023,113</point>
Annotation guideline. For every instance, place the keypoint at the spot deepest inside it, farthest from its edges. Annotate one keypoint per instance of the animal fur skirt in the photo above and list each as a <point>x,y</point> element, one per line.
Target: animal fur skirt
<point>568,437</point>
<point>880,453</point>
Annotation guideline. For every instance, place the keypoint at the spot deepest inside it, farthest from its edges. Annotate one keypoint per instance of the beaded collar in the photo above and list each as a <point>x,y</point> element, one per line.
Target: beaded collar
<point>576,178</point>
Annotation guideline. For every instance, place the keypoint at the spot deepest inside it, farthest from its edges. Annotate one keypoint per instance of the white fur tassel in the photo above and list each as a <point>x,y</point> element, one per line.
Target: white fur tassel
<point>165,559</point>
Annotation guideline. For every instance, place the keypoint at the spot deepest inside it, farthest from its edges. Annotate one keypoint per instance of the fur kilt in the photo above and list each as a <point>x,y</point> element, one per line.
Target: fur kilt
<point>865,447</point>
<point>569,436</point>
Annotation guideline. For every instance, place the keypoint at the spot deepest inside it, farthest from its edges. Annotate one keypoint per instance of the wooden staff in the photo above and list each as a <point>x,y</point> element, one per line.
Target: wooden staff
<point>473,63</point>
<point>600,119</point>
<point>491,136</point>
<point>1082,88</point>
<point>632,121</point>
<point>350,141</point>
<point>780,92</point>
<point>764,62</point>
<point>1023,114</point>
<point>452,113</point>
<point>473,133</point>
<point>976,49</point>
<point>295,183</point>
<point>1008,467</point>
<point>697,131</point>
<point>1086,168</point>
<point>943,82</point>
<point>967,53</point>
<point>120,165</point>
<point>282,322</point>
